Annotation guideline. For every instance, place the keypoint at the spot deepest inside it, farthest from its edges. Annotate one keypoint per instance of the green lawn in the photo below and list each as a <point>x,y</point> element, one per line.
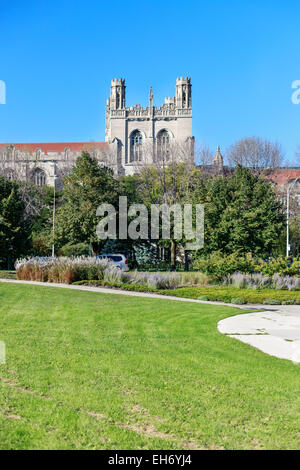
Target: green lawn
<point>98,371</point>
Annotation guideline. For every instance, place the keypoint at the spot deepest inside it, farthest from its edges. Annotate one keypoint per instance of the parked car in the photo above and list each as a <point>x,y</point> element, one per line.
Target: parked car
<point>119,260</point>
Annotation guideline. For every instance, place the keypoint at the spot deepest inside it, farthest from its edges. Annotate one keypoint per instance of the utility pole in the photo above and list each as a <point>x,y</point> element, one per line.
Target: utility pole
<point>53,219</point>
<point>289,188</point>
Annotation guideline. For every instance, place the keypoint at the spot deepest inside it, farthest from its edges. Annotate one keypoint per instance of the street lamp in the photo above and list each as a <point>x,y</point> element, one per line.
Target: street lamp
<point>289,188</point>
<point>53,218</point>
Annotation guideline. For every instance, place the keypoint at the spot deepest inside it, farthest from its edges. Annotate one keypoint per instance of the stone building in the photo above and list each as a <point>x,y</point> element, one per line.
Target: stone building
<point>129,131</point>
<point>135,128</point>
<point>41,163</point>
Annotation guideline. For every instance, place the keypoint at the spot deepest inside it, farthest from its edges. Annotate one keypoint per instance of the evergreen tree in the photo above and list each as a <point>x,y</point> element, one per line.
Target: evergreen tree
<point>242,214</point>
<point>13,234</point>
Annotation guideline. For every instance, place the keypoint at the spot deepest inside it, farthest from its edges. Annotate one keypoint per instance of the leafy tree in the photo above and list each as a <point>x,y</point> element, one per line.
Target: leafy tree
<point>173,180</point>
<point>242,214</point>
<point>85,188</point>
<point>295,236</point>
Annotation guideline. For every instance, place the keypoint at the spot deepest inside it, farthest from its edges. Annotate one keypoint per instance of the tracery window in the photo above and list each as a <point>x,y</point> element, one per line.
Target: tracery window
<point>136,142</point>
<point>39,177</point>
<point>163,144</point>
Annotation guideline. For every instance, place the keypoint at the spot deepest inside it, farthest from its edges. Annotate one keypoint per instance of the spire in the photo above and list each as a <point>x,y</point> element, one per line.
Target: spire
<point>151,101</point>
<point>218,159</point>
<point>151,97</point>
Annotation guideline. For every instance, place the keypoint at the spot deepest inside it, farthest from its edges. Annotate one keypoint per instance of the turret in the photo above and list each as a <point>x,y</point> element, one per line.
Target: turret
<point>117,94</point>
<point>183,92</point>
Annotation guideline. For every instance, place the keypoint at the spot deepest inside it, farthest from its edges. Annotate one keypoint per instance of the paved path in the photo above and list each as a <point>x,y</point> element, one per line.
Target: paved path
<point>274,330</point>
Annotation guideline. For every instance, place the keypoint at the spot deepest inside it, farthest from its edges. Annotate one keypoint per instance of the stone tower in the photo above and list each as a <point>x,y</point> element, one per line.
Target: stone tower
<point>218,161</point>
<point>117,94</point>
<point>183,93</point>
<point>130,128</point>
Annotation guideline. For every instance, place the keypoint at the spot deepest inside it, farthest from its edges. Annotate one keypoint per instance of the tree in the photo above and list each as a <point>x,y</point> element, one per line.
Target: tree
<point>38,207</point>
<point>204,155</point>
<point>255,153</point>
<point>168,176</point>
<point>13,235</point>
<point>85,188</point>
<point>295,236</point>
<point>242,214</point>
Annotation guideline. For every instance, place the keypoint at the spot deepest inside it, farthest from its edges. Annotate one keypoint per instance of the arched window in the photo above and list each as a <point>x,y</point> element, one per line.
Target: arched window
<point>39,177</point>
<point>136,146</point>
<point>163,144</point>
<point>184,97</point>
<point>118,98</point>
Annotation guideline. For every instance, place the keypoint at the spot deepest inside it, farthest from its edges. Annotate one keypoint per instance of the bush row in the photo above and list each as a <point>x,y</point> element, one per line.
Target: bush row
<point>260,281</point>
<point>219,265</point>
<point>229,294</point>
<point>68,270</point>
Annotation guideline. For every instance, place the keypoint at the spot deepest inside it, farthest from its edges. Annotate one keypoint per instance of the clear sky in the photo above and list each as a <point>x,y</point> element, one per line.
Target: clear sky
<point>57,58</point>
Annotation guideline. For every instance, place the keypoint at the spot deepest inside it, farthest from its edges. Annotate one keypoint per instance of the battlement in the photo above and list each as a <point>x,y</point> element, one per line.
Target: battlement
<point>182,80</point>
<point>118,81</point>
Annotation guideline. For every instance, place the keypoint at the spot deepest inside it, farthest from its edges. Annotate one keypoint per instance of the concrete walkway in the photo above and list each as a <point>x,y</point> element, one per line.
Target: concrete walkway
<point>274,330</point>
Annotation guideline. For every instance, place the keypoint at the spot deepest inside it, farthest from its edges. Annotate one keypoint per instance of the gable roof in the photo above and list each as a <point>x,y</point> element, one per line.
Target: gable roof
<point>56,146</point>
<point>283,176</point>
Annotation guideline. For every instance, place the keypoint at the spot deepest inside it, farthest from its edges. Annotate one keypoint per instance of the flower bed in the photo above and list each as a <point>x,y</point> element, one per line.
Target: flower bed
<point>68,270</point>
<point>261,281</point>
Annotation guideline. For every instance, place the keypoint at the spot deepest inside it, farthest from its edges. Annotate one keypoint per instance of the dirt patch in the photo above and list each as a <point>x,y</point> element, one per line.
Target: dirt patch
<point>96,415</point>
<point>8,382</point>
<point>12,416</point>
<point>16,385</point>
<point>25,390</point>
<point>147,430</point>
<point>7,414</point>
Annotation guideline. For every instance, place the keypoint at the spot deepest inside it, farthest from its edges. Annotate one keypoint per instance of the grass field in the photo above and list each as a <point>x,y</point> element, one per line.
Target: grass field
<point>97,371</point>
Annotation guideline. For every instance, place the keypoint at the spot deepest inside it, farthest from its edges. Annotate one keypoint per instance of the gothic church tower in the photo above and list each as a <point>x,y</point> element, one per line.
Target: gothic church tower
<point>129,128</point>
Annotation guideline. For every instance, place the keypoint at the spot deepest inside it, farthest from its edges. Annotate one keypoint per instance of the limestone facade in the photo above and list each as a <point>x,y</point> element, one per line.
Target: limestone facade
<point>133,128</point>
<point>128,131</point>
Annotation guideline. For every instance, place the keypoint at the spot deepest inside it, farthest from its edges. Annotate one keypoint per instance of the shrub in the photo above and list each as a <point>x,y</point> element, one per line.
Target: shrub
<point>124,286</point>
<point>278,265</point>
<point>194,279</point>
<point>260,281</point>
<point>272,302</point>
<point>112,274</point>
<point>219,265</point>
<point>203,297</point>
<point>154,280</point>
<point>238,301</point>
<point>80,249</point>
<point>62,269</point>
<point>68,270</point>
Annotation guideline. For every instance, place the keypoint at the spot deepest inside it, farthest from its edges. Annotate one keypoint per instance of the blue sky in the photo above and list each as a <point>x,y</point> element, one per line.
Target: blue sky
<point>57,59</point>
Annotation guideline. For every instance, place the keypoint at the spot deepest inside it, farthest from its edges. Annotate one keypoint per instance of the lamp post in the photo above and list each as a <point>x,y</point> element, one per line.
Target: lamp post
<point>290,187</point>
<point>53,217</point>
